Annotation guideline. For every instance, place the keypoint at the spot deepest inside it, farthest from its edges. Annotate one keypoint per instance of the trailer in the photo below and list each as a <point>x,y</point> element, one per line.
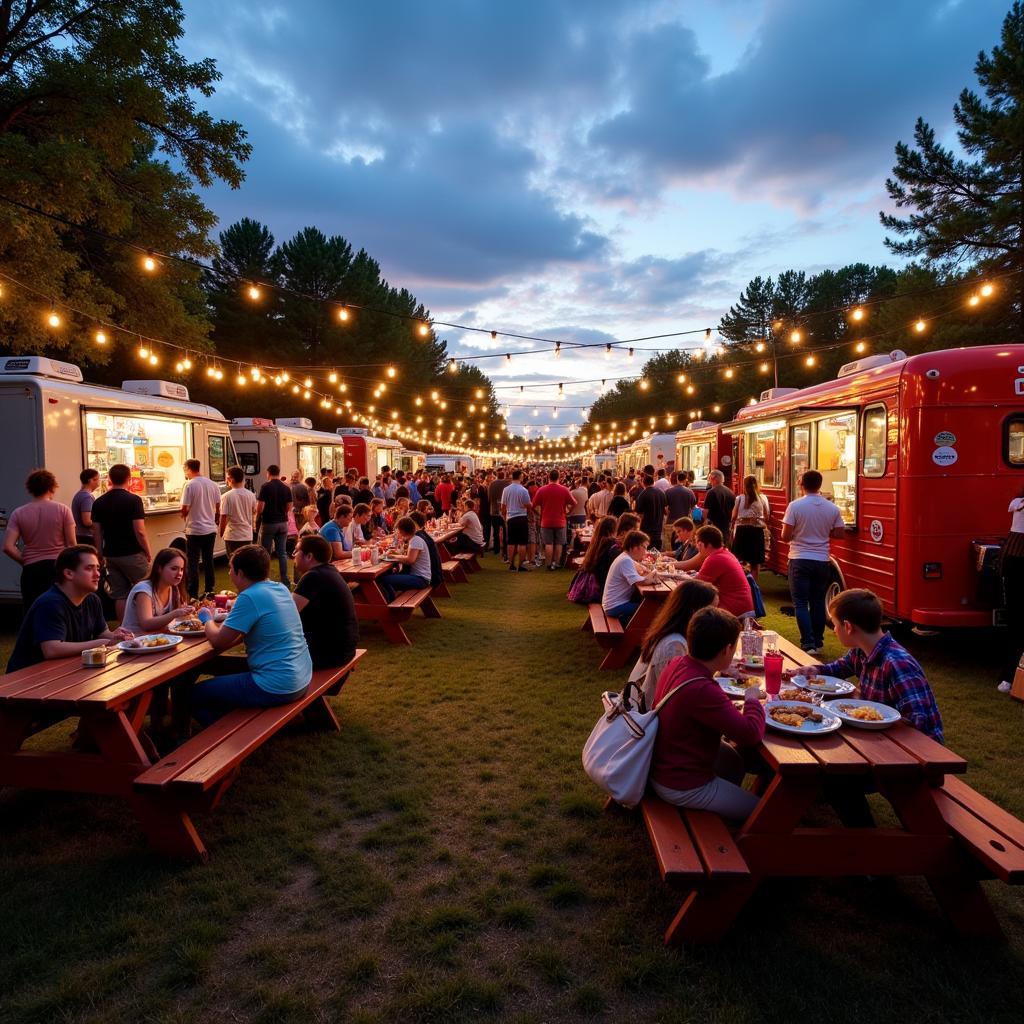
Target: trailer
<point>410,461</point>
<point>450,462</point>
<point>921,456</point>
<point>289,443</point>
<point>369,455</point>
<point>604,461</point>
<point>50,417</point>
<point>702,447</point>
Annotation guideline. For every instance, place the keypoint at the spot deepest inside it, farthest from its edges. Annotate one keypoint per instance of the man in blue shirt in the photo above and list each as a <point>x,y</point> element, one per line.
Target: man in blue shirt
<point>515,509</point>
<point>338,532</point>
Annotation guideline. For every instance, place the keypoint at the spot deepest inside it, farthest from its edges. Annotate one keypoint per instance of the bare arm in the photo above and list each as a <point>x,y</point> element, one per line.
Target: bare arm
<point>152,623</point>
<point>838,533</point>
<point>70,537</point>
<point>222,637</point>
<point>11,536</point>
<point>300,601</point>
<point>139,526</point>
<point>68,648</point>
<point>787,533</point>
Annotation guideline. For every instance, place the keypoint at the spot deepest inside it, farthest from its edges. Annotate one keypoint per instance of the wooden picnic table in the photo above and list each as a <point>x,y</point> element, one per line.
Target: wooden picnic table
<point>946,828</point>
<point>373,606</point>
<point>622,647</point>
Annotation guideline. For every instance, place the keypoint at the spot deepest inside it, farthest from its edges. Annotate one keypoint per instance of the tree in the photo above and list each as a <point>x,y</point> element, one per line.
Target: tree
<point>751,317</point>
<point>95,101</point>
<point>970,212</point>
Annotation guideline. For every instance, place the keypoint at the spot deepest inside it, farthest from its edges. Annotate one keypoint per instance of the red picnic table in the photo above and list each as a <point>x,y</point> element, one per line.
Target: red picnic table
<point>373,606</point>
<point>623,642</point>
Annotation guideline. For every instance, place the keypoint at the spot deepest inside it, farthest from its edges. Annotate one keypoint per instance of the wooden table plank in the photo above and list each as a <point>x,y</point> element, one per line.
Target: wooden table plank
<point>884,756</point>
<point>836,756</point>
<point>930,753</point>
<point>787,755</point>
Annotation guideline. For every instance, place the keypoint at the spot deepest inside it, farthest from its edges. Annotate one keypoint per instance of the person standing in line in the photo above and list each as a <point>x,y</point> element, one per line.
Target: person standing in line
<point>808,525</point>
<point>200,508</point>
<point>578,513</point>
<point>238,511</point>
<point>650,506</point>
<point>324,496</point>
<point>515,510</point>
<point>443,492</point>
<point>45,527</point>
<point>272,507</point>
<point>598,503</point>
<point>750,517</point>
<point>495,489</point>
<point>81,506</point>
<point>661,481</point>
<point>483,506</point>
<point>553,502</point>
<point>680,501</point>
<point>300,495</point>
<point>718,502</point>
<point>119,526</point>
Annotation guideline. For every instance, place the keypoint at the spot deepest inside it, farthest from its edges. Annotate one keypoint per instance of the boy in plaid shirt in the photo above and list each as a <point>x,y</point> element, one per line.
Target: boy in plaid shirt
<point>888,673</point>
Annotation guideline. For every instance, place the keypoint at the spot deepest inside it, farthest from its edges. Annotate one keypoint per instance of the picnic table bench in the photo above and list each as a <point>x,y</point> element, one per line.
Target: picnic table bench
<point>373,606</point>
<point>621,643</point>
<point>950,834</point>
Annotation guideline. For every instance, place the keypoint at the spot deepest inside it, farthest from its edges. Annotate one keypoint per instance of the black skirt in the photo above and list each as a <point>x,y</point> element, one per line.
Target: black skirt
<point>748,544</point>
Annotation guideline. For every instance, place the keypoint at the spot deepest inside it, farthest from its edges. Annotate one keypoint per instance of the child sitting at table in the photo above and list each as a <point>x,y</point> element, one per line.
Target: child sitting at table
<point>691,766</point>
<point>620,599</point>
<point>683,545</point>
<point>887,672</point>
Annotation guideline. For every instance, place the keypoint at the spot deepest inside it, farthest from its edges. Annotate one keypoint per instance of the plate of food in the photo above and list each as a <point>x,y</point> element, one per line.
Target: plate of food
<point>827,686</point>
<point>865,714</point>
<point>187,627</point>
<point>150,643</point>
<point>800,719</point>
<point>738,687</point>
<point>752,661</point>
<point>799,693</point>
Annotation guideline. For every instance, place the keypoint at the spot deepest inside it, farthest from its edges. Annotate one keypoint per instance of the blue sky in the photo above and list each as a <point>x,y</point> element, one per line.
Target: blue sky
<point>582,169</point>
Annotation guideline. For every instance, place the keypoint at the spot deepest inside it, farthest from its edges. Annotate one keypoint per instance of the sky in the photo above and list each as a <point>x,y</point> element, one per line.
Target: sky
<point>582,170</point>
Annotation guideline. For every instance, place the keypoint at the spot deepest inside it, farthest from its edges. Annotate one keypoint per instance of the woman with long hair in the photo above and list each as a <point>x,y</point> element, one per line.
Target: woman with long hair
<point>1011,571</point>
<point>604,534</point>
<point>666,636</point>
<point>155,602</point>
<point>750,516</point>
<point>619,502</point>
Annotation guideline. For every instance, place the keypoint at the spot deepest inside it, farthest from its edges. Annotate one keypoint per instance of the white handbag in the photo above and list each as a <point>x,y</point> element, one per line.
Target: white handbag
<point>617,755</point>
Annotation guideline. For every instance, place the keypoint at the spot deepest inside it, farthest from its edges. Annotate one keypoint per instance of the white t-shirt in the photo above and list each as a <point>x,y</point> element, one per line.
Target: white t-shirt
<point>421,567</point>
<point>515,498</point>
<point>813,519</point>
<point>663,483</point>
<point>202,496</point>
<point>131,612</point>
<point>622,577</point>
<point>238,507</point>
<point>580,508</point>
<point>599,501</point>
<point>471,527</point>
<point>747,514</point>
<point>1017,508</point>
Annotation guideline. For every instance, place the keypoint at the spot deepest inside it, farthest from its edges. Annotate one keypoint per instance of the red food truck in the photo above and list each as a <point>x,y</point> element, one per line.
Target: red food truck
<point>369,454</point>
<point>702,447</point>
<point>922,456</point>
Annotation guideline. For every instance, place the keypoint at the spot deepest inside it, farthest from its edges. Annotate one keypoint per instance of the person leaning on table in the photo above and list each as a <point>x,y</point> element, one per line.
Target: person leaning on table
<point>325,604</point>
<point>276,668</point>
<point>67,618</point>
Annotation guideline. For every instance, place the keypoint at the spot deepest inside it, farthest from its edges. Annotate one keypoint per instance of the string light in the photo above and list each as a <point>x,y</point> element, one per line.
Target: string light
<point>149,264</point>
<point>759,347</point>
<point>987,290</point>
<point>143,352</point>
<point>392,372</point>
<point>154,359</point>
<point>681,378</point>
<point>241,380</point>
<point>253,291</point>
<point>974,300</point>
<point>453,367</point>
<point>307,383</point>
<point>424,329</point>
<point>53,318</point>
<point>920,326</point>
<point>764,367</point>
<point>186,362</point>
<point>729,373</point>
<point>608,351</point>
<point>630,355</point>
<point>795,337</point>
<point>508,357</point>
<point>644,384</point>
<point>101,337</point>
<point>558,350</point>
<point>333,376</point>
<point>859,347</point>
<point>810,361</point>
<point>857,314</point>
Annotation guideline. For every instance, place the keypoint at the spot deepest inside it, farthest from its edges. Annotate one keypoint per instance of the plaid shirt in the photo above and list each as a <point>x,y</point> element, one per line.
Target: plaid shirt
<point>891,675</point>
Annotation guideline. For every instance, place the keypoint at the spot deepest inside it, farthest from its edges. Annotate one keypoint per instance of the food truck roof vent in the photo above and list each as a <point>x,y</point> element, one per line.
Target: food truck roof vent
<point>156,388</point>
<point>868,362</point>
<point>697,424</point>
<point>41,367</point>
<point>767,396</point>
<point>361,431</point>
<point>251,421</point>
<point>294,421</point>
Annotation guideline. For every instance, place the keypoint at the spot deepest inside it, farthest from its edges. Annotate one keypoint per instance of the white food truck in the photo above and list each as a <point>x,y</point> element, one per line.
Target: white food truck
<point>50,418</point>
<point>411,461</point>
<point>440,462</point>
<point>290,443</point>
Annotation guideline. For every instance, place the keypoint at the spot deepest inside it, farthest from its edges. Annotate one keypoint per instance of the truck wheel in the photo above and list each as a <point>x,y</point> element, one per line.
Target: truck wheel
<point>836,585</point>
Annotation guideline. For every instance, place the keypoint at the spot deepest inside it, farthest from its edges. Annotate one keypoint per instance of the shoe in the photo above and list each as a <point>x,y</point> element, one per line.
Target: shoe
<point>1004,687</point>
<point>512,568</point>
<point>524,568</point>
<point>552,568</point>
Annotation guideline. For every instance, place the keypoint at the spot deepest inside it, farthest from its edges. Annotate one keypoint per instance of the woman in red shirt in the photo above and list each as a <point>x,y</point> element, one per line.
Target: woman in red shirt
<point>691,766</point>
<point>722,568</point>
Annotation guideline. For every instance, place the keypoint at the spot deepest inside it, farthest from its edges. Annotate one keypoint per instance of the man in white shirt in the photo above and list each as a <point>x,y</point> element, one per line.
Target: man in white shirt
<point>200,508</point>
<point>515,510</point>
<point>662,483</point>
<point>237,512</point>
<point>619,599</point>
<point>598,502</point>
<point>808,525</point>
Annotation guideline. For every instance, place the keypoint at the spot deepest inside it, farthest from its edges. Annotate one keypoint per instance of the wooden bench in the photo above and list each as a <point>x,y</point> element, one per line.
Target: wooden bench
<point>607,630</point>
<point>468,560</point>
<point>694,849</point>
<point>196,775</point>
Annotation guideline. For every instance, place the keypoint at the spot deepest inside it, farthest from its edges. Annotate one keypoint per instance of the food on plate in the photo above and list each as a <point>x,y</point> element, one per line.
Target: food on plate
<point>796,693</point>
<point>862,714</point>
<point>187,626</point>
<point>795,717</point>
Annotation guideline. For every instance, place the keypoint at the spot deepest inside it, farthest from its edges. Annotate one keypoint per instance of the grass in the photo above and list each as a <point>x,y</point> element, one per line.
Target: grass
<point>444,858</point>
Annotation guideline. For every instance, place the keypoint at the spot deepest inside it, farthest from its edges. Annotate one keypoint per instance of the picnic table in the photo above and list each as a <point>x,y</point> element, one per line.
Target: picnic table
<point>950,834</point>
<point>621,643</point>
<point>372,605</point>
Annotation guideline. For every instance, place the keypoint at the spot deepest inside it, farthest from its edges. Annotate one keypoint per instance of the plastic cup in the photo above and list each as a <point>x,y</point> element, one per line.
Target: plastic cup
<point>220,600</point>
<point>772,674</point>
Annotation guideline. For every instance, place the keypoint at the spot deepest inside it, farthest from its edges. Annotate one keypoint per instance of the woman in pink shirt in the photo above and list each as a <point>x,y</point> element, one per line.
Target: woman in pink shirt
<point>722,568</point>
<point>45,528</point>
<point>691,766</point>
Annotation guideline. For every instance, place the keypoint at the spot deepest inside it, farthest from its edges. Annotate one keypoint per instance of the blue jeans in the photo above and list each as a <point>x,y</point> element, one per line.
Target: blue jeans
<point>624,612</point>
<point>213,698</point>
<point>393,581</point>
<point>274,537</point>
<point>808,583</point>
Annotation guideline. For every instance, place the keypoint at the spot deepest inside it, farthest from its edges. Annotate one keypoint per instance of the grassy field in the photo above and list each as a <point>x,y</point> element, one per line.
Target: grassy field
<point>444,859</point>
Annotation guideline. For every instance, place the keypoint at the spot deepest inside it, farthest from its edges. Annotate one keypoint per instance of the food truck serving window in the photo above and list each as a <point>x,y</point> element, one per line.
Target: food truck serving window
<point>764,456</point>
<point>153,447</point>
<point>875,426</point>
<point>1013,440</point>
<point>698,458</point>
<point>829,445</point>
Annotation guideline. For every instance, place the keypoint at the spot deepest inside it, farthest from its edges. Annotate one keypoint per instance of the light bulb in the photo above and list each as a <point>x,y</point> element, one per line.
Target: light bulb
<point>759,347</point>
<point>392,372</point>
<point>607,351</point>
<point>53,319</point>
<point>644,384</point>
<point>241,380</point>
<point>333,377</point>
<point>857,314</point>
<point>307,383</point>
<point>859,347</point>
<point>729,373</point>
<point>453,367</point>
<point>143,352</point>
<point>764,367</point>
<point>810,361</point>
<point>254,292</point>
<point>424,330</point>
<point>973,300</point>
<point>795,337</point>
<point>187,363</point>
<point>154,359</point>
<point>179,366</point>
<point>101,338</point>
<point>920,326</point>
<point>987,290</point>
<point>149,264</point>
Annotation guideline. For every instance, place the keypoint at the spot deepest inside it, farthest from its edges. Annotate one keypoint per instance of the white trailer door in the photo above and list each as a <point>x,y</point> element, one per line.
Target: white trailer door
<point>23,452</point>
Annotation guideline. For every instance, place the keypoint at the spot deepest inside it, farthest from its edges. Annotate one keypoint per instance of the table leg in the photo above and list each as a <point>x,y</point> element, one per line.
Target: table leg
<point>633,635</point>
<point>169,830</point>
<point>708,913</point>
<point>371,594</point>
<point>321,715</point>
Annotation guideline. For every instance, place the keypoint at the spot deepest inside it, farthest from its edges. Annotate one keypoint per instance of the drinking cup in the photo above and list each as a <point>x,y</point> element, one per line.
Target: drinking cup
<point>773,673</point>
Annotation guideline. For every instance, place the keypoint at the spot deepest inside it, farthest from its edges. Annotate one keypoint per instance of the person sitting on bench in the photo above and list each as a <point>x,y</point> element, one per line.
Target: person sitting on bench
<point>620,599</point>
<point>325,604</point>
<point>691,766</point>
<point>416,558</point>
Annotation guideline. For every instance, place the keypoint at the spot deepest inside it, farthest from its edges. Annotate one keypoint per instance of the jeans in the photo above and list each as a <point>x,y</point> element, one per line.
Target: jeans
<point>808,582</point>
<point>214,698</point>
<point>485,526</point>
<point>498,535</point>
<point>274,537</point>
<point>624,612</point>
<point>1012,569</point>
<point>392,581</point>
<point>200,546</point>
<point>463,543</point>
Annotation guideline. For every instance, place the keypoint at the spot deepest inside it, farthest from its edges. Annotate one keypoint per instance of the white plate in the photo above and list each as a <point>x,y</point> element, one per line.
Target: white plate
<point>829,722</point>
<point>832,687</point>
<point>737,688</point>
<point>174,641</point>
<point>748,664</point>
<point>171,631</point>
<point>890,715</point>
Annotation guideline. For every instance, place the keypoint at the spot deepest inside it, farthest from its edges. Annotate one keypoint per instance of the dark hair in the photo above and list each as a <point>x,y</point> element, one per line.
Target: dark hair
<point>648,480</point>
<point>193,464</point>
<point>750,489</point>
<point>626,522</point>
<point>516,474</point>
<point>634,539</point>
<point>316,547</point>
<point>861,608</point>
<point>361,509</point>
<point>119,474</point>
<point>88,474</point>
<point>252,561</point>
<point>310,481</point>
<point>40,482</point>
<point>273,470</point>
<point>553,475</point>
<point>71,558</point>
<point>811,481</point>
<point>402,492</point>
<point>676,612</point>
<point>710,535</point>
<point>406,525</point>
<point>344,509</point>
<point>236,474</point>
<point>417,517</point>
<point>683,523</point>
<point>619,489</point>
<point>604,534</point>
<point>161,559</point>
<point>710,631</point>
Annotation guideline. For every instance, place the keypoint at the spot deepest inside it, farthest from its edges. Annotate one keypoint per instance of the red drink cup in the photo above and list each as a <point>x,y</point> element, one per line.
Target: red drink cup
<point>220,600</point>
<point>772,674</point>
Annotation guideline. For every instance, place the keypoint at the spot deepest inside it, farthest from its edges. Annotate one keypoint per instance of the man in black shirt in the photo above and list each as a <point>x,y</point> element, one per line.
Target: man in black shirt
<point>650,506</point>
<point>119,529</point>
<point>718,502</point>
<point>324,494</point>
<point>272,505</point>
<point>325,605</point>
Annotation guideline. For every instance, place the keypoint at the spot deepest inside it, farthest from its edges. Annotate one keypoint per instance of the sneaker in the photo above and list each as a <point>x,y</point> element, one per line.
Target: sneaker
<point>512,568</point>
<point>524,568</point>
<point>1004,687</point>
<point>552,567</point>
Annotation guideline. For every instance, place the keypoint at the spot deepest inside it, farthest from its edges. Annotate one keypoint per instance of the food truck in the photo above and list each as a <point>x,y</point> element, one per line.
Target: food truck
<point>410,461</point>
<point>921,456</point>
<point>701,447</point>
<point>604,461</point>
<point>50,417</point>
<point>288,442</point>
<point>657,450</point>
<point>368,454</point>
<point>450,462</point>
